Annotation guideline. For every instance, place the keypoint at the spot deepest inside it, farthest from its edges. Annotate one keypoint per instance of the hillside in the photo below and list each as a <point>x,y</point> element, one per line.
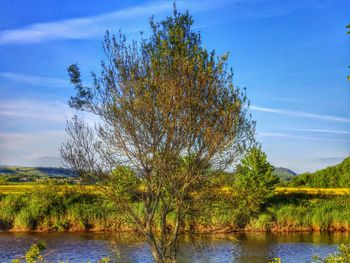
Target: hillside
<point>332,176</point>
<point>17,173</point>
<point>284,174</point>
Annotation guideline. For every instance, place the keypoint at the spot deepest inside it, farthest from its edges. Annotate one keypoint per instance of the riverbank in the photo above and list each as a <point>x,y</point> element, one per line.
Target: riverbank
<point>73,209</point>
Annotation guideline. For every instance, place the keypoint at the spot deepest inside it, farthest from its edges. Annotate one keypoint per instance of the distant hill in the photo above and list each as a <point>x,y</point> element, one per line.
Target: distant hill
<point>284,174</point>
<point>332,176</point>
<point>17,171</point>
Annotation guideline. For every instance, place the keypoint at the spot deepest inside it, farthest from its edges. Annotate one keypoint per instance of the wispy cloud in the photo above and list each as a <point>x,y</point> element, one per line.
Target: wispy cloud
<point>92,26</point>
<point>322,131</point>
<point>331,159</point>
<point>78,28</point>
<point>129,18</point>
<point>31,148</point>
<point>285,135</point>
<point>301,114</point>
<point>35,80</point>
<point>53,111</point>
<point>284,99</point>
<point>40,111</point>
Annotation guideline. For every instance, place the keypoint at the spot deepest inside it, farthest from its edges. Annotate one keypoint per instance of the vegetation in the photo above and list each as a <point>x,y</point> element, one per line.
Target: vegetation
<point>300,212</point>
<point>57,208</point>
<point>73,208</point>
<point>342,255</point>
<point>333,176</point>
<point>15,174</point>
<point>170,113</point>
<point>34,255</point>
<point>253,183</point>
<point>285,175</point>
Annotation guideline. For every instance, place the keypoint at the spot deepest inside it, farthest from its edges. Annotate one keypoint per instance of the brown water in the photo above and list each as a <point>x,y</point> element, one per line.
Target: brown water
<point>245,248</point>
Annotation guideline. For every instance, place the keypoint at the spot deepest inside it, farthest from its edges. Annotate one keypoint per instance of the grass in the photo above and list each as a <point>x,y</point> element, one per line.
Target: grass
<point>54,208</point>
<point>35,207</point>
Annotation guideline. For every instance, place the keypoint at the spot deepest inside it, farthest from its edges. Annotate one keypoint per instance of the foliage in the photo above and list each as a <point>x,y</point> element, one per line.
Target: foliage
<point>82,209</point>
<point>284,174</point>
<point>253,184</point>
<point>168,111</point>
<point>342,255</point>
<point>33,254</point>
<point>333,176</point>
<point>56,208</point>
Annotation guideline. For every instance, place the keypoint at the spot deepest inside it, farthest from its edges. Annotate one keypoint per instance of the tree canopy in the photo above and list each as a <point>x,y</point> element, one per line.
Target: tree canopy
<point>332,176</point>
<point>168,112</point>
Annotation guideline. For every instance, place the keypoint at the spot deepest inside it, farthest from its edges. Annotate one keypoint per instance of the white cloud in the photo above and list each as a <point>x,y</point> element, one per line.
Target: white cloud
<point>301,114</point>
<point>78,28</point>
<point>129,18</point>
<point>34,146</point>
<point>31,148</point>
<point>41,112</point>
<point>92,26</point>
<point>322,131</point>
<point>53,111</point>
<point>35,80</point>
<point>285,135</point>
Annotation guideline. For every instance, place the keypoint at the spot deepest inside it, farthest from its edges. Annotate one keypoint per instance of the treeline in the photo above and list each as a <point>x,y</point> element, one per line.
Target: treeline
<point>333,176</point>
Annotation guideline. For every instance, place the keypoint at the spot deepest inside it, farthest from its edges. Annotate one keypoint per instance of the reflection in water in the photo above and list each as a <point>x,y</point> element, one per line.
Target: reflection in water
<point>245,247</point>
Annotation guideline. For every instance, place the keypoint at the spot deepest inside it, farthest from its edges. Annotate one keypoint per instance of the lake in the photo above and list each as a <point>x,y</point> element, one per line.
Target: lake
<point>244,247</point>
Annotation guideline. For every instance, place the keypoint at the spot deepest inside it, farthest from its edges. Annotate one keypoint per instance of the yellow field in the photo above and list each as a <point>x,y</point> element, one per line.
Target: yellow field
<point>22,188</point>
<point>16,188</point>
<point>313,191</point>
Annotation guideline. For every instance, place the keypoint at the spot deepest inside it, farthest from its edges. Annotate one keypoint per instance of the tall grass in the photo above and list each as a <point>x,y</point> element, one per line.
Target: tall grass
<point>57,208</point>
<point>314,214</point>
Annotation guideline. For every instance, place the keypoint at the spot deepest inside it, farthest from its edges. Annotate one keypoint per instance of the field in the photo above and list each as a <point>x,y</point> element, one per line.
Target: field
<point>313,191</point>
<point>25,187</point>
<point>28,187</point>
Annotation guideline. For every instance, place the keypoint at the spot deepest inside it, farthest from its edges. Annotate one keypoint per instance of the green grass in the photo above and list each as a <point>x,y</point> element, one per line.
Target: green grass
<point>31,207</point>
<point>55,209</point>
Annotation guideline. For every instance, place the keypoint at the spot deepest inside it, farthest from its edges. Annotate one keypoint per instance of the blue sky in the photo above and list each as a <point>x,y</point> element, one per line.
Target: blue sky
<point>292,56</point>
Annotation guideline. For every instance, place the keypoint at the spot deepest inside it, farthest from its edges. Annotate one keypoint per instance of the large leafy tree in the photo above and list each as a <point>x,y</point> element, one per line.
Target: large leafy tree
<point>168,111</point>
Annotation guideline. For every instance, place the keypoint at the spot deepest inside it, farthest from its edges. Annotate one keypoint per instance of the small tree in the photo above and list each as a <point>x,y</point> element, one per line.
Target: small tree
<point>168,110</point>
<point>253,183</point>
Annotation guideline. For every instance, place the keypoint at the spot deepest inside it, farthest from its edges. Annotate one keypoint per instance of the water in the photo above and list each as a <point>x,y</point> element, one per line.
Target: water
<point>245,248</point>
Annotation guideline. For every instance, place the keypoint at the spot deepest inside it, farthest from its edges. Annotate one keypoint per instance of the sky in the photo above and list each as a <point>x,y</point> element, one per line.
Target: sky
<point>291,55</point>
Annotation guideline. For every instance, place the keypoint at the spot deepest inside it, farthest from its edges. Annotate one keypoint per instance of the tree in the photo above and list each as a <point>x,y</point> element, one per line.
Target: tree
<point>253,183</point>
<point>168,110</point>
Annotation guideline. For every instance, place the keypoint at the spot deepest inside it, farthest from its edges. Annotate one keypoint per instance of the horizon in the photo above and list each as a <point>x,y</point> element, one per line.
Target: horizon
<point>293,57</point>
